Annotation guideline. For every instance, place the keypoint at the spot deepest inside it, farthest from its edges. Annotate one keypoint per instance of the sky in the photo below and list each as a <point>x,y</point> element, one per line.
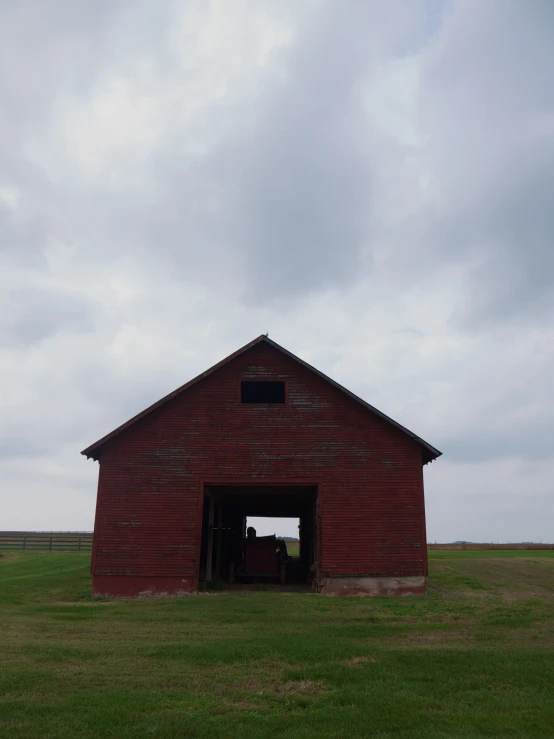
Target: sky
<point>371,183</point>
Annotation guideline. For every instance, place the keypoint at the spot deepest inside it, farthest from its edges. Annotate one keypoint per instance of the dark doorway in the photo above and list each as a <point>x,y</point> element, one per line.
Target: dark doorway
<point>229,554</point>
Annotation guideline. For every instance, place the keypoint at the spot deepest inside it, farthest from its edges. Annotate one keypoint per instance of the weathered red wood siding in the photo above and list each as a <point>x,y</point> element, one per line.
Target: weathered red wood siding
<point>369,473</point>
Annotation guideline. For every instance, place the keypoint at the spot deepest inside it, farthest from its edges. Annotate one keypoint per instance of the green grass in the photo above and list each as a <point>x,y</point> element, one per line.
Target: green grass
<point>293,548</point>
<point>485,553</point>
<point>474,658</point>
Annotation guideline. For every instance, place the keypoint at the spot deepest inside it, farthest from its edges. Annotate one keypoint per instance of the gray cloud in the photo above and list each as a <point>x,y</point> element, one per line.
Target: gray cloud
<point>283,203</point>
<point>488,92</point>
<point>34,314</point>
<point>22,242</point>
<point>298,179</point>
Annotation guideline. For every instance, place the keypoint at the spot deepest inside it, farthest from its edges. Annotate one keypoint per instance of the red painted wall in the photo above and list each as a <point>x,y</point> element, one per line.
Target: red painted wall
<point>369,473</point>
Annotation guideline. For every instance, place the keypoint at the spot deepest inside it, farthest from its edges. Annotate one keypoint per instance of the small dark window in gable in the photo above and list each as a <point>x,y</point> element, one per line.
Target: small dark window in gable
<point>262,391</point>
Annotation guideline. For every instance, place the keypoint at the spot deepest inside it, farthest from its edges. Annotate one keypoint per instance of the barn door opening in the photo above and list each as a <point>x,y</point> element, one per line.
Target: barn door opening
<point>229,552</point>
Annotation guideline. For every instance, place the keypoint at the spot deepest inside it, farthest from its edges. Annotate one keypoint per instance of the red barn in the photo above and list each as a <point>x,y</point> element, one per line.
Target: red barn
<point>262,433</point>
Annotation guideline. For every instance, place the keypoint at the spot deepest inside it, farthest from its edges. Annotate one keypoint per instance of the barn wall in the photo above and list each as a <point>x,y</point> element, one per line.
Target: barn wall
<point>369,473</point>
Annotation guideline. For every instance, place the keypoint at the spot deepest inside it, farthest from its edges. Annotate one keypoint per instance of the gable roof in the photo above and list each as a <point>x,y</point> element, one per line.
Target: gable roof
<point>92,451</point>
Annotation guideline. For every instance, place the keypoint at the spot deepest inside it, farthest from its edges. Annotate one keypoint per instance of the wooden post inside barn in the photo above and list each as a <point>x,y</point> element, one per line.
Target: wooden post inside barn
<point>210,540</point>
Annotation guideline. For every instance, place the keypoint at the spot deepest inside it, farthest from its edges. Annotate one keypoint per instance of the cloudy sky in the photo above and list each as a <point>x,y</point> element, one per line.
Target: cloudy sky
<point>370,182</point>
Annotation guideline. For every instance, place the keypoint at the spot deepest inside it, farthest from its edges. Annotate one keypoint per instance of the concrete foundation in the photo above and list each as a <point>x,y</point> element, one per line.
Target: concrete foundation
<point>130,587</point>
<point>115,586</point>
<point>374,586</point>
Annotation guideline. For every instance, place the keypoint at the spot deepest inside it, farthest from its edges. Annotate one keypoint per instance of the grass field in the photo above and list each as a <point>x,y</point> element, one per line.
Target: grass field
<point>293,548</point>
<point>474,658</point>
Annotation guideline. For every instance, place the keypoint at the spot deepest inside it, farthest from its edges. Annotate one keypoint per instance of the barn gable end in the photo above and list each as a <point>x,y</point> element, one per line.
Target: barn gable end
<point>429,452</point>
<point>158,470</point>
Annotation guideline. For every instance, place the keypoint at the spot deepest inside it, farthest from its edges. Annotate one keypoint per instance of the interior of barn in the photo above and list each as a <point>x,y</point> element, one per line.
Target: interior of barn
<point>231,554</point>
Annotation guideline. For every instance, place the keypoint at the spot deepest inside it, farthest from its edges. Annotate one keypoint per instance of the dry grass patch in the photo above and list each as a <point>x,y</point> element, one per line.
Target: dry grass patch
<point>357,661</point>
<point>299,687</point>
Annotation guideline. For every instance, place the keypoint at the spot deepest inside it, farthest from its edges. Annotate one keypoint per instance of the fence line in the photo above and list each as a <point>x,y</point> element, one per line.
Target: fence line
<point>82,541</point>
<point>59,541</point>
